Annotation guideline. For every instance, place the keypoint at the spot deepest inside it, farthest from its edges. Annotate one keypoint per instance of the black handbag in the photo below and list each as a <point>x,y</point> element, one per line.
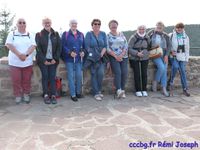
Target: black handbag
<point>105,58</point>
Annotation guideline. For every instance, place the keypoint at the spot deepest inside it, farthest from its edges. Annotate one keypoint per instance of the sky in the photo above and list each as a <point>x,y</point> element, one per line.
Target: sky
<point>129,13</point>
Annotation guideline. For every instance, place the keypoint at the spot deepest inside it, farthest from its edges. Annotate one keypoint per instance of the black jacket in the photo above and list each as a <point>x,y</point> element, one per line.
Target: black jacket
<point>42,44</point>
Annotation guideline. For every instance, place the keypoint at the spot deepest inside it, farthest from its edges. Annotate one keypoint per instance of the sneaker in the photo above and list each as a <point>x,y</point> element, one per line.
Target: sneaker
<point>165,92</point>
<point>138,94</point>
<point>26,98</point>
<point>47,99</point>
<point>186,93</point>
<point>119,93</point>
<point>123,94</point>
<point>53,100</point>
<point>101,95</point>
<point>154,86</point>
<point>74,98</point>
<point>79,96</point>
<point>144,93</point>
<point>98,97</point>
<point>18,100</point>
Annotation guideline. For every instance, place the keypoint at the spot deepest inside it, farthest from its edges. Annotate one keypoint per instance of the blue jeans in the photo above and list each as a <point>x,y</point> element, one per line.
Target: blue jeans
<point>74,77</point>
<point>120,71</point>
<point>178,65</point>
<point>161,72</point>
<point>48,75</point>
<point>97,74</point>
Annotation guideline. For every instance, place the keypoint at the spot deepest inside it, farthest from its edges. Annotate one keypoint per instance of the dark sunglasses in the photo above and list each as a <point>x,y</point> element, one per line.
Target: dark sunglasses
<point>22,22</point>
<point>97,24</point>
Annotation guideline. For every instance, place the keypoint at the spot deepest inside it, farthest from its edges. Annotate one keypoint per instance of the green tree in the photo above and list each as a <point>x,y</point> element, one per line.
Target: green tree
<point>6,21</point>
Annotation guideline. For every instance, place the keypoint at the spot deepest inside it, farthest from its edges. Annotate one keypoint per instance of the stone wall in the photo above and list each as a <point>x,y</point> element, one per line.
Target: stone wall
<point>193,74</point>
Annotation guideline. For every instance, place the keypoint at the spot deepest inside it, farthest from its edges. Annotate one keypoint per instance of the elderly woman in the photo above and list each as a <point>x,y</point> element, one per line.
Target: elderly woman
<point>139,58</point>
<point>48,54</point>
<point>160,39</point>
<point>117,49</point>
<point>21,45</point>
<point>72,46</point>
<point>179,55</point>
<point>96,46</point>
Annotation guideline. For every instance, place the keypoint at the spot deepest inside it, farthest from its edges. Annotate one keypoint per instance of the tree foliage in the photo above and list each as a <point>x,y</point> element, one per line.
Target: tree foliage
<point>6,21</point>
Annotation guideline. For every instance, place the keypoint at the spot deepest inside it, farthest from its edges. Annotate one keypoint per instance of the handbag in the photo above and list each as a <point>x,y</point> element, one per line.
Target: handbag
<point>155,52</point>
<point>105,58</point>
<point>94,55</point>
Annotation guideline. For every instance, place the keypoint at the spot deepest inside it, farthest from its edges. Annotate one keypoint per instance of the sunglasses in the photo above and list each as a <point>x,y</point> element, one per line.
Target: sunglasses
<point>97,24</point>
<point>22,22</point>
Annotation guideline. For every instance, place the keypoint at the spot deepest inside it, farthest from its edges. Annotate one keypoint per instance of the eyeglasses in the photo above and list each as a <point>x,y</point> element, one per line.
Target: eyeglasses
<point>47,22</point>
<point>22,22</point>
<point>97,24</point>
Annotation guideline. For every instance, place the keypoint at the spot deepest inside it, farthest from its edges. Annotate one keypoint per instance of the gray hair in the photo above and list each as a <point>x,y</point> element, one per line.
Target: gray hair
<point>46,19</point>
<point>73,21</point>
<point>141,26</point>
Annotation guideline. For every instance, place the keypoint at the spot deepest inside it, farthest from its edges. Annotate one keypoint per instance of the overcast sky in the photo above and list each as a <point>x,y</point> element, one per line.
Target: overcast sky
<point>129,13</point>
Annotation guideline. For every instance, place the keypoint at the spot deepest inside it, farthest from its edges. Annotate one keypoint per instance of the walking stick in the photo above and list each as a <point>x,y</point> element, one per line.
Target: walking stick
<point>81,71</point>
<point>171,84</point>
<point>74,69</point>
<point>140,71</point>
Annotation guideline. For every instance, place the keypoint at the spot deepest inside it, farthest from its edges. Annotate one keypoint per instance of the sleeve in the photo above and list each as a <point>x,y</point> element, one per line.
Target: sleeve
<point>83,40</point>
<point>131,42</point>
<point>87,41</point>
<point>125,46</point>
<point>39,54</point>
<point>187,49</point>
<point>148,43</point>
<point>105,41</point>
<point>58,47</point>
<point>32,39</point>
<point>9,39</point>
<point>108,43</point>
<point>149,34</point>
<point>169,45</point>
<point>64,44</point>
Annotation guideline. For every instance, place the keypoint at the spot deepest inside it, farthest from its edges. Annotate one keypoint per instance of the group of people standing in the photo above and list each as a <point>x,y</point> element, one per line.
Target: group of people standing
<point>94,51</point>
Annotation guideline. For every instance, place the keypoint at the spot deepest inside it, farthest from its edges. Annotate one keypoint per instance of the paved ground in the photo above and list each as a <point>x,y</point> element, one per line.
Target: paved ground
<point>107,125</point>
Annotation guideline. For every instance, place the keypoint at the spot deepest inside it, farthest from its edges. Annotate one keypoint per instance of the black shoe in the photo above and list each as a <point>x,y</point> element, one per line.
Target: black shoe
<point>47,100</point>
<point>79,96</point>
<point>53,100</point>
<point>74,99</point>
<point>186,93</point>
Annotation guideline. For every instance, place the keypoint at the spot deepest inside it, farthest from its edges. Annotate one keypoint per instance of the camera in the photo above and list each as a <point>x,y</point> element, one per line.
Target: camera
<point>181,49</point>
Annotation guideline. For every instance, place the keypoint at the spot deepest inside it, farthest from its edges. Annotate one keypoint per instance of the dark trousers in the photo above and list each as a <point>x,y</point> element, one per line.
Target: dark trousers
<point>140,79</point>
<point>48,75</point>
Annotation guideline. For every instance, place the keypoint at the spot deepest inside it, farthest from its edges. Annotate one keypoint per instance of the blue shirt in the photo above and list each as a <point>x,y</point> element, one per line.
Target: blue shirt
<point>91,42</point>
